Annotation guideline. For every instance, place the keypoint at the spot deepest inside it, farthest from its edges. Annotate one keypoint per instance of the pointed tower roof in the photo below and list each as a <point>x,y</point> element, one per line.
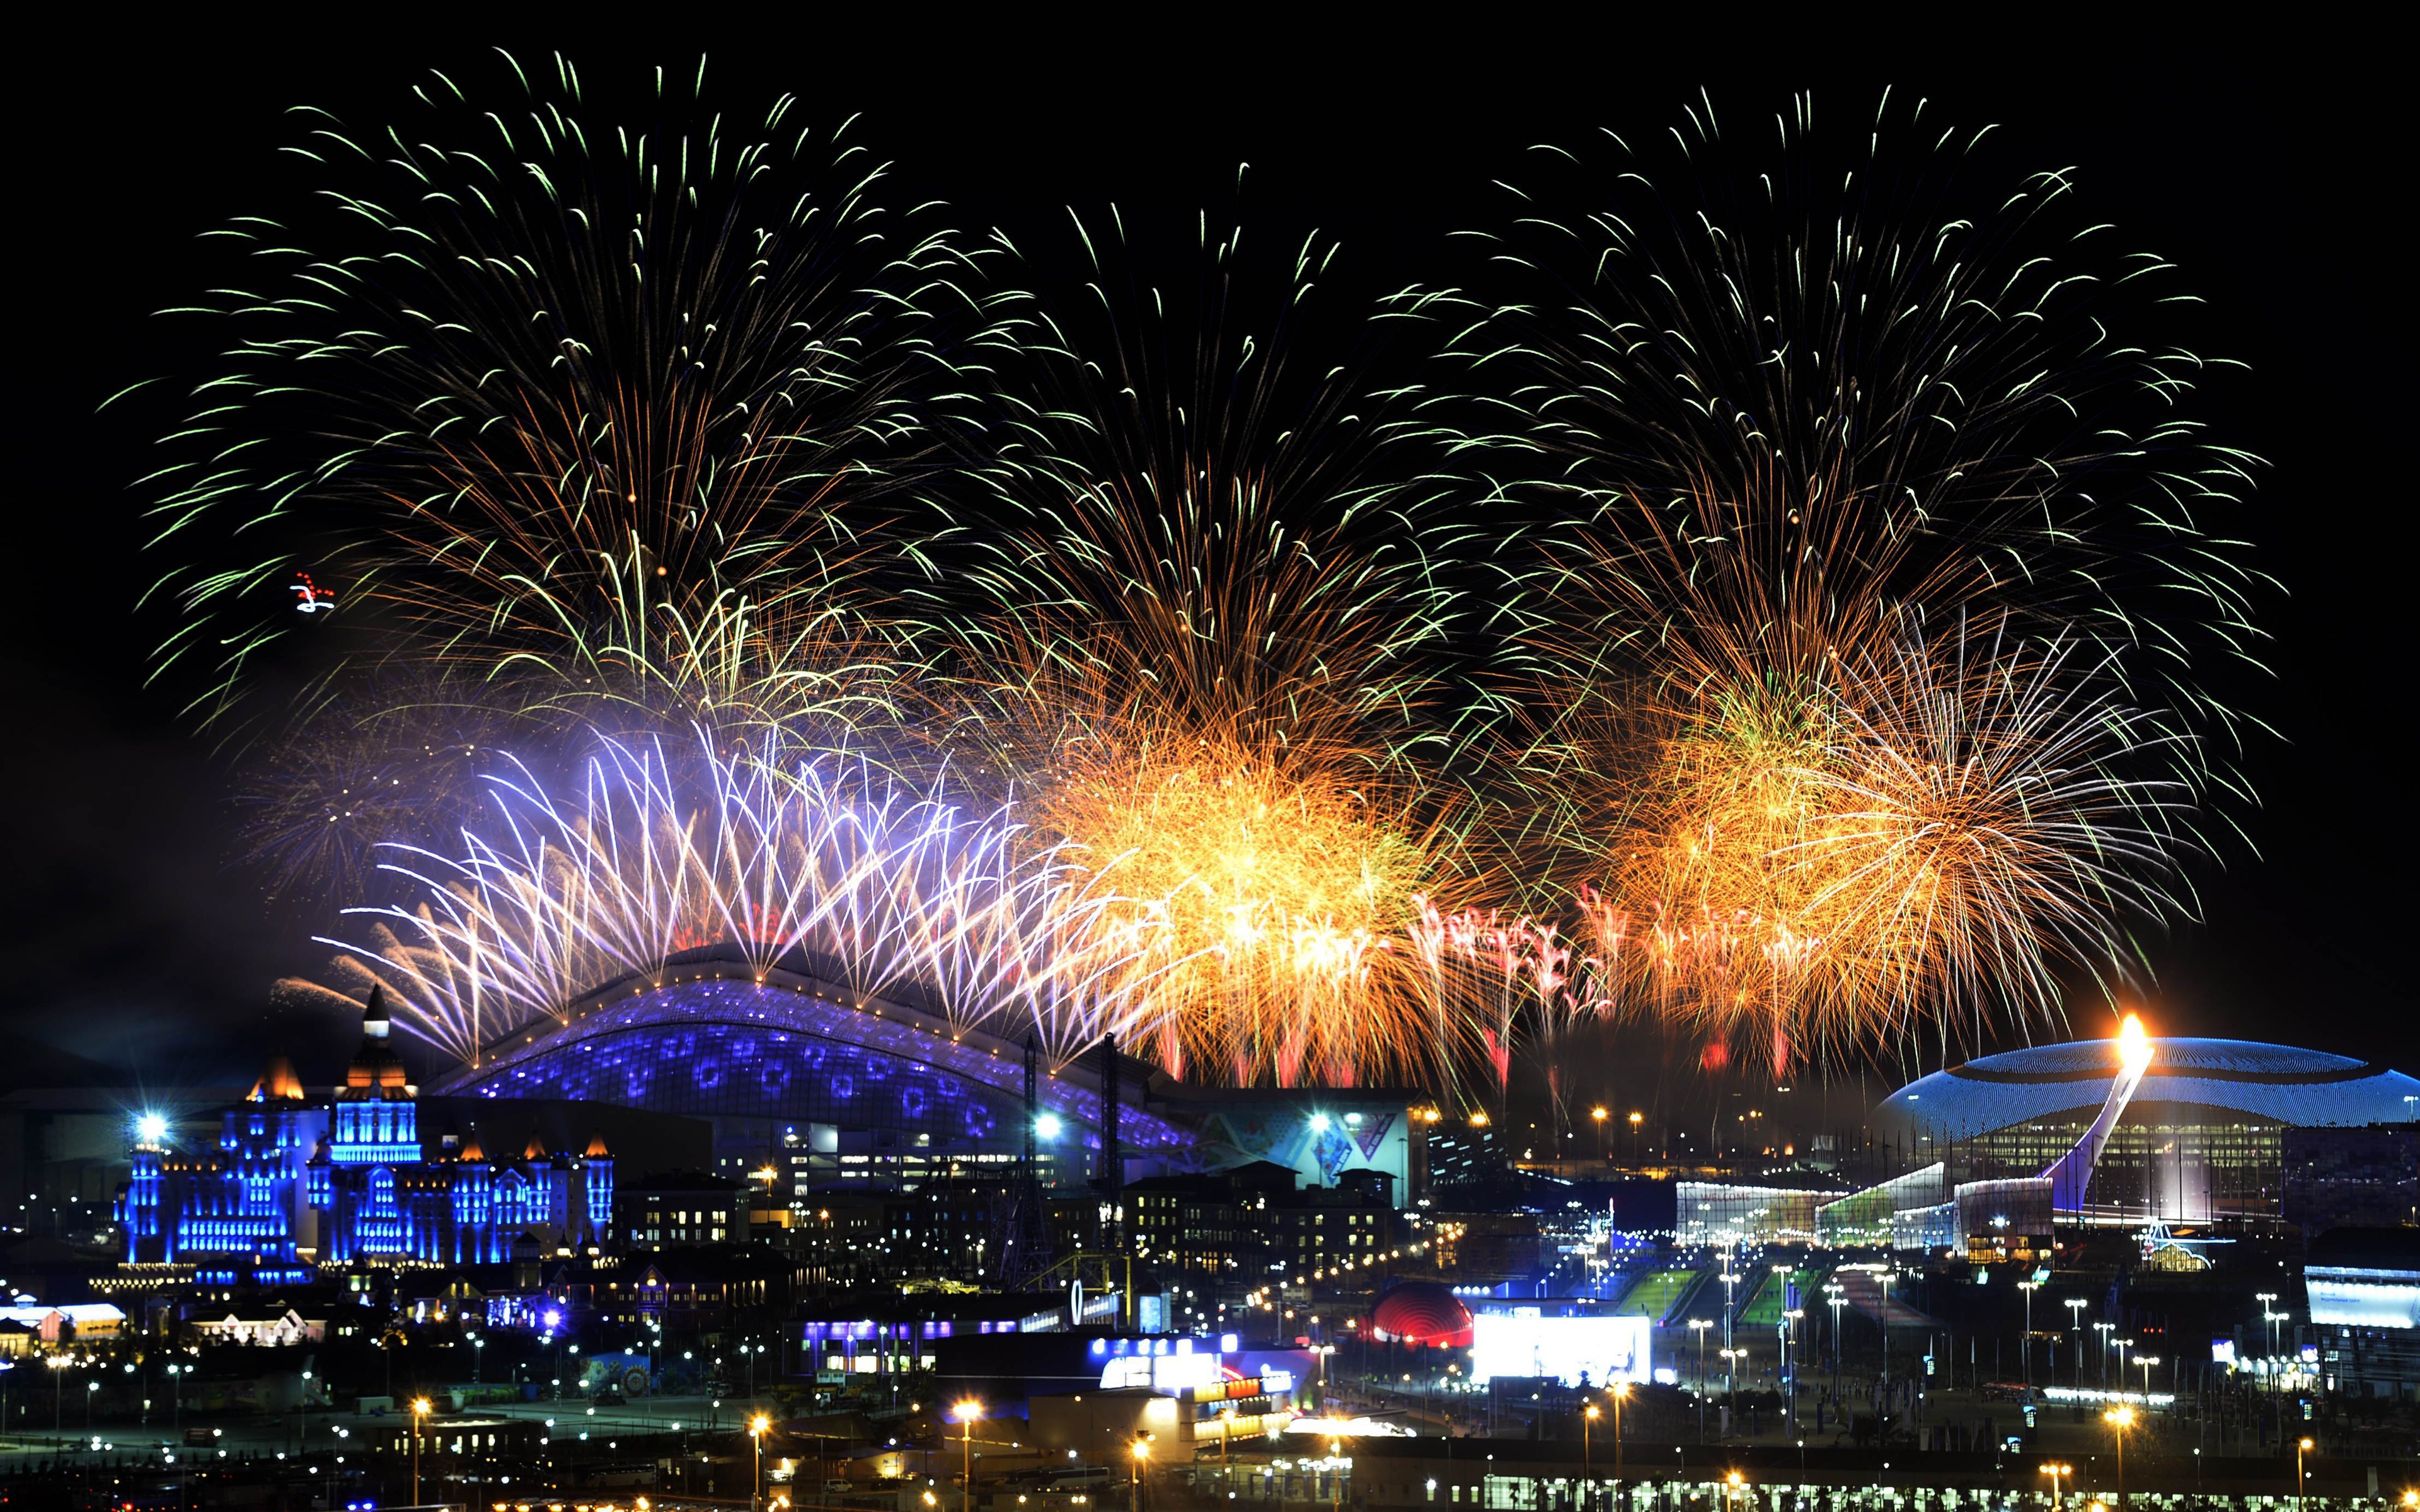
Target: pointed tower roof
<point>376,1072</point>
<point>535,1149</point>
<point>471,1150</point>
<point>277,1084</point>
<point>597,1146</point>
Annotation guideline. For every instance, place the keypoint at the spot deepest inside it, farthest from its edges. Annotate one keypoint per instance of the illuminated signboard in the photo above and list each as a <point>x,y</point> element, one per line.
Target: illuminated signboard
<point>1526,1345</point>
<point>2346,1297</point>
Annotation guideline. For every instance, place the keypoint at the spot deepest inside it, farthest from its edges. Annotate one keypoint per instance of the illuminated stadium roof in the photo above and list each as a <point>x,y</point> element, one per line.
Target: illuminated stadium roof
<point>2268,1082</point>
<point>724,1041</point>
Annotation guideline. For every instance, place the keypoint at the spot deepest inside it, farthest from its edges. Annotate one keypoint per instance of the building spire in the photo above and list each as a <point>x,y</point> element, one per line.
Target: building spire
<point>277,1084</point>
<point>377,1071</point>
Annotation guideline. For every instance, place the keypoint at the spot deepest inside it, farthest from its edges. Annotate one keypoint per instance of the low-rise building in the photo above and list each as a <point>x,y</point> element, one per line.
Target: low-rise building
<point>262,1324</point>
<point>53,1325</point>
<point>680,1207</point>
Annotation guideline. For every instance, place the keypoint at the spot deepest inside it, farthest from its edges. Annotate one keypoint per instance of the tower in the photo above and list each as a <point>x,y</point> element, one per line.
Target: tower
<point>1110,1184</point>
<point>2071,1175</point>
<point>596,1224</point>
<point>241,1208</point>
<point>1023,1243</point>
<point>374,1133</point>
<point>377,1113</point>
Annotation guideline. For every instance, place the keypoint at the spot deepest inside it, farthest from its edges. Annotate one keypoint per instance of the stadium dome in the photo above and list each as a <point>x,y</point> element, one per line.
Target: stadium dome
<point>2275,1084</point>
<point>773,1057</point>
<point>1421,1312</point>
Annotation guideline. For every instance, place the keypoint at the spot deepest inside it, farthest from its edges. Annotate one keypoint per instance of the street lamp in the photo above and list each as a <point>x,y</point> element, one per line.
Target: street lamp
<point>2105,1330</point>
<point>1729,1280</point>
<point>1886,1278</point>
<point>419,1416</point>
<point>1588,1466</point>
<point>2302,1447</point>
<point>2029,1288</point>
<point>756,1427</point>
<point>1834,1297</point>
<point>2146,1361</point>
<point>1143,1452</point>
<point>1699,1325</point>
<point>2120,1419</point>
<point>968,1411</point>
<point>2054,1471</point>
<point>1620,1390</point>
<point>2075,1330</point>
<point>1600,1113</point>
<point>1790,1320</point>
<point>1735,1486</point>
<point>1226,1447</point>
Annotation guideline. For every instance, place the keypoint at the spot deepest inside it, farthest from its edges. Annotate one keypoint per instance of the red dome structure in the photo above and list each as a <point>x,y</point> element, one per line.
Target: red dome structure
<point>1422,1313</point>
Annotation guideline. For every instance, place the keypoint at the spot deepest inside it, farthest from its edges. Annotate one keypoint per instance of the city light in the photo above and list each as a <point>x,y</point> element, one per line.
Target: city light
<point>1874,752</point>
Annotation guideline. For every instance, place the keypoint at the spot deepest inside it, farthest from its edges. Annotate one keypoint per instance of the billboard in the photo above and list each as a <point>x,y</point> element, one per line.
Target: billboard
<point>1317,1135</point>
<point>2344,1296</point>
<point>1523,1343</point>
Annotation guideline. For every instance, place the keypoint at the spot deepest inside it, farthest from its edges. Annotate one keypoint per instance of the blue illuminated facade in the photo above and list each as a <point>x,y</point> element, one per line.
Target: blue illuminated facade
<point>245,1202</point>
<point>766,1057</point>
<point>2269,1083</point>
<point>2200,1138</point>
<point>294,1182</point>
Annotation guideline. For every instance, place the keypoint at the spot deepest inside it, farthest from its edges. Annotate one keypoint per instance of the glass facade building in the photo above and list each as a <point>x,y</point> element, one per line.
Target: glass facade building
<point>2202,1139</point>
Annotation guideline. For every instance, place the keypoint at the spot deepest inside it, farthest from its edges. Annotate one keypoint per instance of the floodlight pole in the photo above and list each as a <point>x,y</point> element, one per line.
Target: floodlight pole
<point>2028,1287</point>
<point>2076,1335</point>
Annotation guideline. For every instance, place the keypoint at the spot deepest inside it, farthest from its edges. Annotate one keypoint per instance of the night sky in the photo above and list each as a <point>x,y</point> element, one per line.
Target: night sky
<point>2272,171</point>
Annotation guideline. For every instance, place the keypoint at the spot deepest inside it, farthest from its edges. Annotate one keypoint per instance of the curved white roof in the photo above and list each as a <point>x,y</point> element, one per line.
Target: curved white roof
<point>2269,1082</point>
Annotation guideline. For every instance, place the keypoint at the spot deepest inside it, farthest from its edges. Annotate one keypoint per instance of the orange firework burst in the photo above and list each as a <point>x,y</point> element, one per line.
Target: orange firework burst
<point>1263,858</point>
<point>1262,909</point>
<point>1207,648</point>
<point>1934,826</point>
<point>1882,566</point>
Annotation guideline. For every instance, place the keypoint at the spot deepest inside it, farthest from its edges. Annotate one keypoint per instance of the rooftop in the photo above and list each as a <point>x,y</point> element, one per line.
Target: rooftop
<point>2278,1084</point>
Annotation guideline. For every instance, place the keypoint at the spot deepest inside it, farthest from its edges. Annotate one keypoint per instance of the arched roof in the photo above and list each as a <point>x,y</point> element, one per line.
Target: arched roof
<point>715,1038</point>
<point>1421,1312</point>
<point>2275,1083</point>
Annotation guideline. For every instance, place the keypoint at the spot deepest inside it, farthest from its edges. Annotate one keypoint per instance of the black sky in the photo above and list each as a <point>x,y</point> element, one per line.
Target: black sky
<point>2272,168</point>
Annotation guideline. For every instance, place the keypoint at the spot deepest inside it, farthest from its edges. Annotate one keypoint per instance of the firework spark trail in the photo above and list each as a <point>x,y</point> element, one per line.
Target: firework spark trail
<point>1845,570</point>
<point>1210,637</point>
<point>590,410</point>
<point>830,864</point>
<point>1977,830</point>
<point>1787,424</point>
<point>1942,826</point>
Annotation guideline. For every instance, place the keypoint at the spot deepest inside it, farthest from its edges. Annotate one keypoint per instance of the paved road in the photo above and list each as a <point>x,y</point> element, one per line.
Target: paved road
<point>269,1436</point>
